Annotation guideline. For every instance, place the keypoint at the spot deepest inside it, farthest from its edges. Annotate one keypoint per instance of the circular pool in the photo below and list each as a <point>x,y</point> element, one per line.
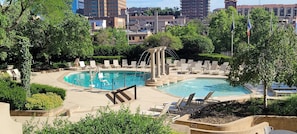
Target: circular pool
<point>107,80</point>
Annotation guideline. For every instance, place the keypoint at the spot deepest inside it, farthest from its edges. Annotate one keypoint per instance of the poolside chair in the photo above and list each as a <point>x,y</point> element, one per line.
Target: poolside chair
<point>115,63</point>
<point>93,64</point>
<point>133,64</point>
<point>189,99</point>
<point>106,64</point>
<point>184,69</point>
<point>197,68</point>
<point>16,73</point>
<point>224,69</point>
<point>82,64</point>
<point>157,114</point>
<point>201,101</point>
<point>190,61</point>
<point>124,63</point>
<point>174,106</point>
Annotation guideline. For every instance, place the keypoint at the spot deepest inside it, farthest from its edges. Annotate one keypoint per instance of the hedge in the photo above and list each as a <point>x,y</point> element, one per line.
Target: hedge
<point>12,93</point>
<point>101,59</point>
<point>214,57</point>
<point>39,88</point>
<point>44,101</point>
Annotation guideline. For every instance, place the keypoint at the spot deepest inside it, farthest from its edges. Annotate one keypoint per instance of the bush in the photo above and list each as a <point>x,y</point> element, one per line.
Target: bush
<point>215,57</point>
<point>44,101</point>
<point>13,94</point>
<point>39,88</point>
<point>107,122</point>
<point>101,59</point>
<point>59,65</point>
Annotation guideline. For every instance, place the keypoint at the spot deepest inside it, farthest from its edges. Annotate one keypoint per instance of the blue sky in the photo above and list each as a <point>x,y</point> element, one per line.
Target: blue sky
<point>213,3</point>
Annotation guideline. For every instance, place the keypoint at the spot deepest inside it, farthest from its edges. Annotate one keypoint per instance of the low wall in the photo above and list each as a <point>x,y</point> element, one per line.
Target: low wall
<point>279,122</point>
<point>240,124</point>
<point>251,124</point>
<point>7,125</point>
<point>54,112</point>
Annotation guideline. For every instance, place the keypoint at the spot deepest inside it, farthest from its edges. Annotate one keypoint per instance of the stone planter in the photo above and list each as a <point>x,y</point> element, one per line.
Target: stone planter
<point>54,112</point>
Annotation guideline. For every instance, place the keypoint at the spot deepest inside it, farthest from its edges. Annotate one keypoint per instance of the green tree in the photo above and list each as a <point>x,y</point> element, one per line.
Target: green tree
<point>273,58</point>
<point>14,13</point>
<point>111,36</point>
<point>193,45</point>
<point>220,29</point>
<point>164,39</point>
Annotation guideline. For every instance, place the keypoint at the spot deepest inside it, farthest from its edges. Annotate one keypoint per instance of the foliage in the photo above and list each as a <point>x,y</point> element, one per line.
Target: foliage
<point>166,11</point>
<point>111,36</point>
<point>193,45</point>
<point>44,101</point>
<point>102,58</point>
<point>39,88</point>
<point>253,106</point>
<point>12,93</point>
<point>26,64</point>
<point>215,57</point>
<point>163,39</point>
<point>266,61</point>
<point>107,121</point>
<point>220,29</point>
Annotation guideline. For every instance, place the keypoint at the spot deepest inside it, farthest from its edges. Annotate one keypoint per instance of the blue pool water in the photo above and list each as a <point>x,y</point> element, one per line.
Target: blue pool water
<point>202,86</point>
<point>108,80</point>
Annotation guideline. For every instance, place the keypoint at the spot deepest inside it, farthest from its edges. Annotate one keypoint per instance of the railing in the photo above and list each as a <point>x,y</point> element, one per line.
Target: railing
<point>121,90</point>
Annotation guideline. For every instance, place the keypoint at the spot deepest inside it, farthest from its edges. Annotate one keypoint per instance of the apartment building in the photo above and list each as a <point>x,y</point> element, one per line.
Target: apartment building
<point>285,12</point>
<point>195,8</point>
<point>153,24</point>
<point>104,8</point>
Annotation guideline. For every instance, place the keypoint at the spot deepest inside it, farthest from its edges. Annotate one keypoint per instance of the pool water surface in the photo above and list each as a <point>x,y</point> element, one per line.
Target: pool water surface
<point>107,80</point>
<point>202,86</point>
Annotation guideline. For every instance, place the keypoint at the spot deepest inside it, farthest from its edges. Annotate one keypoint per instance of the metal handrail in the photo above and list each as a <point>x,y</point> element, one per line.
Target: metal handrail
<point>121,90</point>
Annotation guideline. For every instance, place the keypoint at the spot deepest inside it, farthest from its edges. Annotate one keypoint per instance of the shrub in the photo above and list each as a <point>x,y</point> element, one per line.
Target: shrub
<point>44,101</point>
<point>214,57</point>
<point>100,59</point>
<point>12,94</point>
<point>59,65</point>
<point>108,122</point>
<point>39,88</point>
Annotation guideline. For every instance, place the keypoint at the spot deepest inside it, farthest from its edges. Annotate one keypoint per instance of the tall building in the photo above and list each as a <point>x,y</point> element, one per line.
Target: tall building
<point>104,8</point>
<point>285,12</point>
<point>78,6</point>
<point>232,3</point>
<point>195,8</point>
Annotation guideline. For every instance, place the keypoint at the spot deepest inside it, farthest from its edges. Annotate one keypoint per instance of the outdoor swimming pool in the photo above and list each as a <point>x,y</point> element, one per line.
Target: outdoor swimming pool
<point>202,86</point>
<point>107,80</point>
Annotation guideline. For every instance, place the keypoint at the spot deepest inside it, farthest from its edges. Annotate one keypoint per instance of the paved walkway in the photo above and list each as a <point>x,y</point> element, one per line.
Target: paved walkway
<point>83,101</point>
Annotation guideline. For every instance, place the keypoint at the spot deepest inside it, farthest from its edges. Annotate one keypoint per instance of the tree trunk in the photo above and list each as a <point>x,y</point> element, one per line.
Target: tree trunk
<point>265,94</point>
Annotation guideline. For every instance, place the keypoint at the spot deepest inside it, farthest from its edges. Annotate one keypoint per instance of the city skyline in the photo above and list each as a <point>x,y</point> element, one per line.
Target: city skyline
<point>213,3</point>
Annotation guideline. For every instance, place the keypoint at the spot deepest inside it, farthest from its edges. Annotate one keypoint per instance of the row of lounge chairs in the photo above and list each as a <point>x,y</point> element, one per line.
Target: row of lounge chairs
<point>195,67</point>
<point>107,64</point>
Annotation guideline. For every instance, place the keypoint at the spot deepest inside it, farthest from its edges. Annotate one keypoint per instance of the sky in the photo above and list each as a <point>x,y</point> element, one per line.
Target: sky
<point>213,3</point>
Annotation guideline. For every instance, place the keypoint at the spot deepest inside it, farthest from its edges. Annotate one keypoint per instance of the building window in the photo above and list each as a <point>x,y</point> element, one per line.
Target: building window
<point>282,11</point>
<point>288,13</point>
<point>275,10</point>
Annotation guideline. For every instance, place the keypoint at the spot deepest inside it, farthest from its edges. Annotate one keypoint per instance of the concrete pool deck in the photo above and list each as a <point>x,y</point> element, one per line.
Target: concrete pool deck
<point>82,101</point>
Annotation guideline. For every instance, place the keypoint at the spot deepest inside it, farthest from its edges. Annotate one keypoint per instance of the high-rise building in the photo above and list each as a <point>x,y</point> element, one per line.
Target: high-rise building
<point>78,6</point>
<point>232,3</point>
<point>104,8</point>
<point>195,8</point>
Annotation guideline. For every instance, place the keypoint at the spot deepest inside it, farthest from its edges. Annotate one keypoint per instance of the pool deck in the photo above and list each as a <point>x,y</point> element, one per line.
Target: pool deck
<point>82,101</point>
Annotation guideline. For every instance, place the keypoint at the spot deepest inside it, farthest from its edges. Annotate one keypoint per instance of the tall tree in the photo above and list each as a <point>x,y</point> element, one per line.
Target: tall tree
<point>16,12</point>
<point>220,29</point>
<point>273,58</point>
